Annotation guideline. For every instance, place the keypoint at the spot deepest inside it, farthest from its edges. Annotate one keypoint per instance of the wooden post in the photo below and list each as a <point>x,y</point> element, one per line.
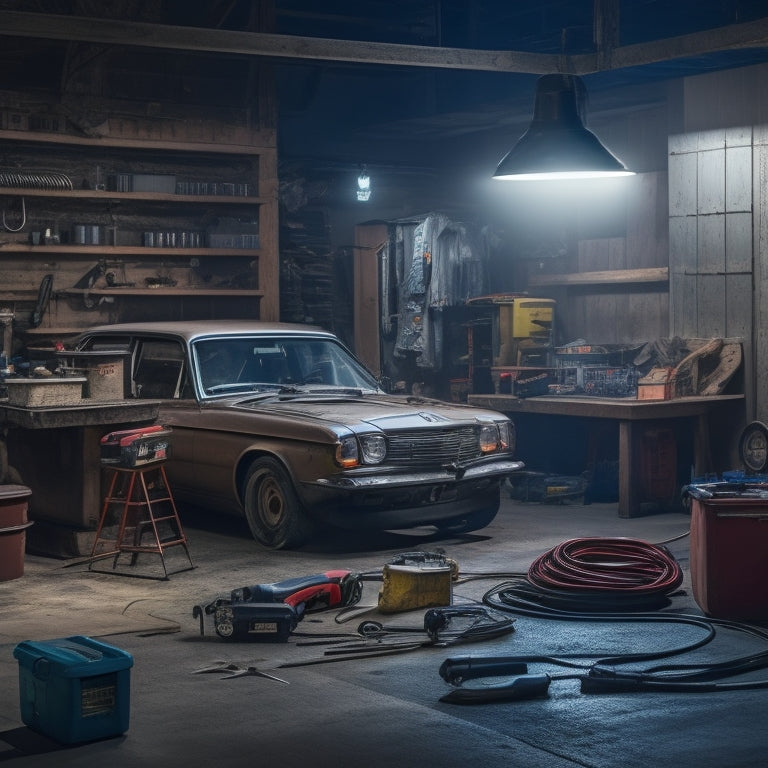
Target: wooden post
<point>369,239</point>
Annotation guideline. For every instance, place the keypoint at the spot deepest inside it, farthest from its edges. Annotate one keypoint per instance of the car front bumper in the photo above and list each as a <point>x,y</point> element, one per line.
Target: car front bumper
<point>407,499</point>
<point>356,480</point>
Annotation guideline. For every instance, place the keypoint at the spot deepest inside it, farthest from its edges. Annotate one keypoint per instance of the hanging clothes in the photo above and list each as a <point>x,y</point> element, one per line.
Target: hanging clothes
<point>438,264</point>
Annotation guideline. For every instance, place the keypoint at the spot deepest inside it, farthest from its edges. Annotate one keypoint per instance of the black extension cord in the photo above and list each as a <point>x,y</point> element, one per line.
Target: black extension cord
<point>622,580</point>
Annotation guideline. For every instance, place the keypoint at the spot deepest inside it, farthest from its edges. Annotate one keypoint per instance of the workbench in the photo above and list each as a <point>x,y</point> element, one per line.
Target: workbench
<point>57,451</point>
<point>632,416</point>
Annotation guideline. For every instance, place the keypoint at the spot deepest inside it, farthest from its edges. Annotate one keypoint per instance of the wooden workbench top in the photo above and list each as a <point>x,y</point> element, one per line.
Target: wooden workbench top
<point>601,407</point>
<point>84,414</point>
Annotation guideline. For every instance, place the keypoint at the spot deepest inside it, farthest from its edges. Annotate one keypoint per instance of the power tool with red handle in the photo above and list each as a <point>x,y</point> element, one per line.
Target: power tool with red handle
<point>270,612</point>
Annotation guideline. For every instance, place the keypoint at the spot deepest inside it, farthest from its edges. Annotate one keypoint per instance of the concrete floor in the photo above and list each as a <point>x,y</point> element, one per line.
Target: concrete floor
<point>381,711</point>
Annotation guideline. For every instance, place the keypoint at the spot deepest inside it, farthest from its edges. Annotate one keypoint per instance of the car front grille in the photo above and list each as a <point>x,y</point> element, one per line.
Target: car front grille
<point>432,446</point>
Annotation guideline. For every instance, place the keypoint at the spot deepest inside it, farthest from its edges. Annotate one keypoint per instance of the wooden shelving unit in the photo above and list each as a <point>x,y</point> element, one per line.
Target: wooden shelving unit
<point>105,196</point>
<point>162,291</point>
<point>94,251</point>
<point>122,217</point>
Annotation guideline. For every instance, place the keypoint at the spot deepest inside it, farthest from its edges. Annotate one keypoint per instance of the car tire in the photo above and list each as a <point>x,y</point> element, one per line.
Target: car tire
<point>272,507</point>
<point>472,522</point>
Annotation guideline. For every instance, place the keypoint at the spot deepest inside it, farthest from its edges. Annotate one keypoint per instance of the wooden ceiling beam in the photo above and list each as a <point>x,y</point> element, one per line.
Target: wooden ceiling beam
<point>734,37</point>
<point>197,39</point>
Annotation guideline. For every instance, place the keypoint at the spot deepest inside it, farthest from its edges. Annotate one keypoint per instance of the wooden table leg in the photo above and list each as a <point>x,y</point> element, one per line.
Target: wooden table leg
<point>702,458</point>
<point>629,504</point>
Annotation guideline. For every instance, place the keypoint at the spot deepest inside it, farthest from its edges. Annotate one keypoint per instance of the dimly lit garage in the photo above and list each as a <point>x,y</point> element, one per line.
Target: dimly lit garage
<point>405,358</point>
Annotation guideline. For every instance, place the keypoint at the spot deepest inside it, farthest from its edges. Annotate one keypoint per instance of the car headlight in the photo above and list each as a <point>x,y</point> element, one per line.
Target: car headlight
<point>374,448</point>
<point>488,437</point>
<point>496,436</point>
<point>367,449</point>
<point>347,452</point>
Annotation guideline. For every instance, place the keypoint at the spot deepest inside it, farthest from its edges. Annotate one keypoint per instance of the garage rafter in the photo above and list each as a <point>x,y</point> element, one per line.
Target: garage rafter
<point>752,34</point>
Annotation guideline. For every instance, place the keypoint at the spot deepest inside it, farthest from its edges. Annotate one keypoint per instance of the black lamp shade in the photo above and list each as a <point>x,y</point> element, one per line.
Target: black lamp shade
<point>557,145</point>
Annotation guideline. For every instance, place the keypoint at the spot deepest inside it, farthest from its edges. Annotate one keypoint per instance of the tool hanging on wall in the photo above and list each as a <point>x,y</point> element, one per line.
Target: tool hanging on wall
<point>35,180</point>
<point>43,299</point>
<point>102,269</point>
<point>21,226</point>
<point>31,180</point>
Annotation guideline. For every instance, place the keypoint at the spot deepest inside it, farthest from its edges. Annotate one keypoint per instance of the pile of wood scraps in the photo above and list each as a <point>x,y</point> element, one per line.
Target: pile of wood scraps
<point>687,367</point>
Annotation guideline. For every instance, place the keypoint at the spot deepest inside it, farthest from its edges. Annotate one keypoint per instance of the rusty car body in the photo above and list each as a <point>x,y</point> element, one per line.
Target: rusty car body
<point>282,424</point>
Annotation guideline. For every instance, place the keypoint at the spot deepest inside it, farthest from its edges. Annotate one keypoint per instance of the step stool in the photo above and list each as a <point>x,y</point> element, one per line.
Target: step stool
<point>139,504</point>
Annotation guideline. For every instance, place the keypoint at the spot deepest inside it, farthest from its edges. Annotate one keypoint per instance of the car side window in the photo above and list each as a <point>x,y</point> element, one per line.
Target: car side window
<point>159,371</point>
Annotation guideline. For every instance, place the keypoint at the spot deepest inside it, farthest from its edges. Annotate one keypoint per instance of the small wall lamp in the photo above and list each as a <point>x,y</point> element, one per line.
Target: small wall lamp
<point>363,186</point>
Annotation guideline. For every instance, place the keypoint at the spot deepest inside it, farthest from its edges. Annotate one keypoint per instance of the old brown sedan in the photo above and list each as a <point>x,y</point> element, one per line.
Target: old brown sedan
<point>282,424</point>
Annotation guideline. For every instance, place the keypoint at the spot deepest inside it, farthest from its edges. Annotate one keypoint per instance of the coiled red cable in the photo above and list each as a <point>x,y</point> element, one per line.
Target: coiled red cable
<point>606,565</point>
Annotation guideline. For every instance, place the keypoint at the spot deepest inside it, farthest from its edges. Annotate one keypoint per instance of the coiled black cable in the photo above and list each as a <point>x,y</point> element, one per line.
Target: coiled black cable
<point>604,574</point>
<point>584,580</point>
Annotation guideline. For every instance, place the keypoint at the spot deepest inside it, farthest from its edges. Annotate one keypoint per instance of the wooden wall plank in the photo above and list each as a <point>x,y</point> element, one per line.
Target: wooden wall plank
<point>710,190</point>
<point>738,307</point>
<point>647,221</point>
<point>684,306</point>
<point>738,179</point>
<point>740,99</point>
<point>757,406</point>
<point>710,317</point>
<point>738,243</point>
<point>600,309</point>
<point>711,244</point>
<point>683,244</point>
<point>683,174</point>
<point>683,234</point>
<point>647,310</point>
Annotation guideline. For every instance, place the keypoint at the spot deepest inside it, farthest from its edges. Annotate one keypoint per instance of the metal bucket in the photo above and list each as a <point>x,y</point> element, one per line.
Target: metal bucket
<point>13,527</point>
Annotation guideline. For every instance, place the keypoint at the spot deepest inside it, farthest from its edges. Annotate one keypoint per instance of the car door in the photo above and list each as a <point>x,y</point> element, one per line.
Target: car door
<point>161,372</point>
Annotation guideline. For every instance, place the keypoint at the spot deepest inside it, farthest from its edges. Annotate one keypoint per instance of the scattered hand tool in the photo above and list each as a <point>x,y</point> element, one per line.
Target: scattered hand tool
<point>253,672</point>
<point>476,679</point>
<point>443,627</point>
<point>236,671</point>
<point>270,612</point>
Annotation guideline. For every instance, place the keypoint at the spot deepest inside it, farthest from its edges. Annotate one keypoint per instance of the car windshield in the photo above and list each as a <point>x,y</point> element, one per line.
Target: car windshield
<point>227,365</point>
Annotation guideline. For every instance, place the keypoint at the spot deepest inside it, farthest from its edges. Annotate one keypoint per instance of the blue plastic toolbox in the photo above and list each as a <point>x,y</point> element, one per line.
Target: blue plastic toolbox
<point>74,689</point>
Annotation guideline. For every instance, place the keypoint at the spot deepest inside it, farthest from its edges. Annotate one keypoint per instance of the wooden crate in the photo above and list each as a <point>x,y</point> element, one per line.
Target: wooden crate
<point>659,384</point>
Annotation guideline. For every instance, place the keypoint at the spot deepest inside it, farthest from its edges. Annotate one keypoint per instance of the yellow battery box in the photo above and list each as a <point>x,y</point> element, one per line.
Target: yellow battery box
<point>407,587</point>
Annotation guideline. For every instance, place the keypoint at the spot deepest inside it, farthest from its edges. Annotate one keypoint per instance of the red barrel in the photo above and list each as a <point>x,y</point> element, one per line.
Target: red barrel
<point>13,527</point>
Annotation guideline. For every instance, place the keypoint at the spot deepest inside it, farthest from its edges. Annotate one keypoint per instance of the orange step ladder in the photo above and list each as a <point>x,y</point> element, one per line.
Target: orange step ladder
<point>140,511</point>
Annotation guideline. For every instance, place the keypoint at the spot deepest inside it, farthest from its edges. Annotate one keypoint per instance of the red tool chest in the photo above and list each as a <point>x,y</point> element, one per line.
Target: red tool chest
<point>135,447</point>
<point>729,561</point>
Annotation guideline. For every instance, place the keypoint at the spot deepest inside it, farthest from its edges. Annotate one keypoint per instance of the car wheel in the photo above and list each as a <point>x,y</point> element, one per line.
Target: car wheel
<point>272,508</point>
<point>471,522</point>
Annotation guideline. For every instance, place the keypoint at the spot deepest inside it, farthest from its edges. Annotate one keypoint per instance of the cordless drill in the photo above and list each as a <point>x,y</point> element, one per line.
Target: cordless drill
<point>270,612</point>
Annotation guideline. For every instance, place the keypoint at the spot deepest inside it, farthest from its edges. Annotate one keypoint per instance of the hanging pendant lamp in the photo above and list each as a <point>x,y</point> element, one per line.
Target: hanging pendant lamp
<point>557,145</point>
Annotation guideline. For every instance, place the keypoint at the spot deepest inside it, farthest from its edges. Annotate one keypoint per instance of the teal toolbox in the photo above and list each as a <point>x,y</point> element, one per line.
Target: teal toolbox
<point>74,689</point>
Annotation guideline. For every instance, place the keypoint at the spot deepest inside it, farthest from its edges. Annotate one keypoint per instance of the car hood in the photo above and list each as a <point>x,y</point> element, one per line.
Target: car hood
<point>386,412</point>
